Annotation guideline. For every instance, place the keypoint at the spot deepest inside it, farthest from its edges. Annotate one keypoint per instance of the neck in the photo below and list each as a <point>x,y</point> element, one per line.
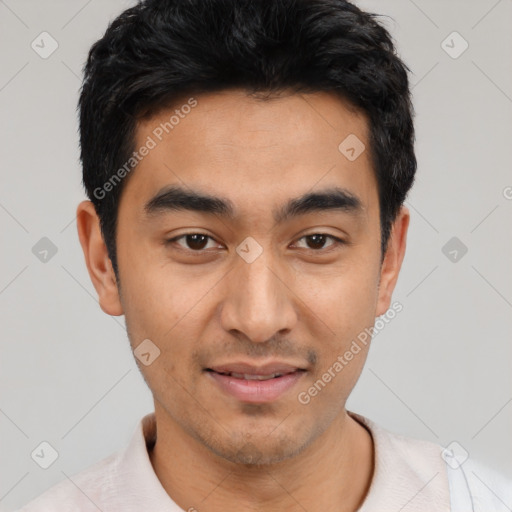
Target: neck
<point>331,474</point>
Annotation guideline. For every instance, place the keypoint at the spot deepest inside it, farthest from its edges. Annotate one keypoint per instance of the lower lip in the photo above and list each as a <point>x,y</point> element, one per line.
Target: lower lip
<point>256,391</point>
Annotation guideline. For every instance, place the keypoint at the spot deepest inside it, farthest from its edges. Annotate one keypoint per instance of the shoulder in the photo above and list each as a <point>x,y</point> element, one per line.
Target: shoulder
<point>395,450</point>
<point>83,491</point>
<point>409,474</point>
<point>124,481</point>
<point>489,490</point>
<point>453,483</point>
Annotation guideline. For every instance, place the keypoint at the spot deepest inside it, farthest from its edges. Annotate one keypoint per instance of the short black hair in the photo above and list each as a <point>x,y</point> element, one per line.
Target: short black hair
<point>161,50</point>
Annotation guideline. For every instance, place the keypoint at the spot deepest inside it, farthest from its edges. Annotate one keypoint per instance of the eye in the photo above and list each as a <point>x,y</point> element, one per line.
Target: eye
<point>316,241</point>
<point>196,242</point>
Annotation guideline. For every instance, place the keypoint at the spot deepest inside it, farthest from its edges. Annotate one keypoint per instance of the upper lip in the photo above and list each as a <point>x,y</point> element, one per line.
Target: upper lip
<point>251,369</point>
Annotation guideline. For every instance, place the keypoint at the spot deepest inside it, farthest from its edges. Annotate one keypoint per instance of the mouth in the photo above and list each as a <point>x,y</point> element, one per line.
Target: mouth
<point>256,387</point>
<point>248,376</point>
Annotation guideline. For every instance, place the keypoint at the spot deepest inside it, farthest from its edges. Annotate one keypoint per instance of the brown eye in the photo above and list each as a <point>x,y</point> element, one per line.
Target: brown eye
<point>194,241</point>
<point>317,241</point>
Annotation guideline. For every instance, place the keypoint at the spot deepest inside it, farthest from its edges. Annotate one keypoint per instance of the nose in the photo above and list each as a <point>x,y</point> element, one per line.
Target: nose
<point>259,300</point>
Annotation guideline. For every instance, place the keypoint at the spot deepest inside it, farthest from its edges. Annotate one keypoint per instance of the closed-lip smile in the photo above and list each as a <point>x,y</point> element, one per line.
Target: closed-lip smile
<point>256,383</point>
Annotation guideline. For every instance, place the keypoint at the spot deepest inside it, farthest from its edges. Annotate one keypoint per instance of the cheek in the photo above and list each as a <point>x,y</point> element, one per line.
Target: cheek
<point>168,306</point>
<point>343,300</point>
<point>155,294</point>
<point>349,311</point>
<point>334,379</point>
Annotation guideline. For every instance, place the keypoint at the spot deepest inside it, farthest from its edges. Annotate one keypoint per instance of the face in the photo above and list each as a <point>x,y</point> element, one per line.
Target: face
<point>245,236</point>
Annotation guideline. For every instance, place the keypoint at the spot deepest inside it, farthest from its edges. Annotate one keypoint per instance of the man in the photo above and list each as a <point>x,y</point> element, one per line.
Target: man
<point>247,164</point>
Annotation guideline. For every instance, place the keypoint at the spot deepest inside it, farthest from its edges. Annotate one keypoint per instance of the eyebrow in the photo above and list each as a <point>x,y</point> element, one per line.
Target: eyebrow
<point>177,198</point>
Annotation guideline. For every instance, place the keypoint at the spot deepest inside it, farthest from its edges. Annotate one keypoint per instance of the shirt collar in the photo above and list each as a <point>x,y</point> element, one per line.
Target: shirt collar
<point>139,485</point>
<point>409,475</point>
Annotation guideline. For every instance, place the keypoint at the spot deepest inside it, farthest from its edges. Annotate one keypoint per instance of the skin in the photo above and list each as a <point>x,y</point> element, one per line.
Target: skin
<point>297,301</point>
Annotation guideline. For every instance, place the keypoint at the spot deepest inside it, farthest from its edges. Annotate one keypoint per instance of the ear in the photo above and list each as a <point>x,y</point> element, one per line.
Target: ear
<point>97,259</point>
<point>393,258</point>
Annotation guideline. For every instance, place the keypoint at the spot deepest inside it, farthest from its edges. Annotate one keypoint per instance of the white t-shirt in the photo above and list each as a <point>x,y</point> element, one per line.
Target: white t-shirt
<point>409,476</point>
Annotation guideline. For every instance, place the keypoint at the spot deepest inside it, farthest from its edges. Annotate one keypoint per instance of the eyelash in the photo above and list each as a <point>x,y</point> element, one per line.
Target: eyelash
<point>337,242</point>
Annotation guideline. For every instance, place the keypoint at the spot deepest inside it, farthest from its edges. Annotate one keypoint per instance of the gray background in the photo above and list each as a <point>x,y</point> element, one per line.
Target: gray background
<point>441,370</point>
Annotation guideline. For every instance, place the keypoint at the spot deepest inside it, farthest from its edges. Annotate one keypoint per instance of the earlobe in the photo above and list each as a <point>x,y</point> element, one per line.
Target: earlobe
<point>392,263</point>
<point>97,260</point>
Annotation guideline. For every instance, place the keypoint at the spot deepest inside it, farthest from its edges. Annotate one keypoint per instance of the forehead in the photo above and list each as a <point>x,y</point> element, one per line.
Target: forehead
<point>254,151</point>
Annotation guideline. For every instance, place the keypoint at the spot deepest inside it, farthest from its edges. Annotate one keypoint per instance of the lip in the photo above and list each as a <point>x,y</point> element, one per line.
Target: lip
<point>257,391</point>
<point>251,369</point>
